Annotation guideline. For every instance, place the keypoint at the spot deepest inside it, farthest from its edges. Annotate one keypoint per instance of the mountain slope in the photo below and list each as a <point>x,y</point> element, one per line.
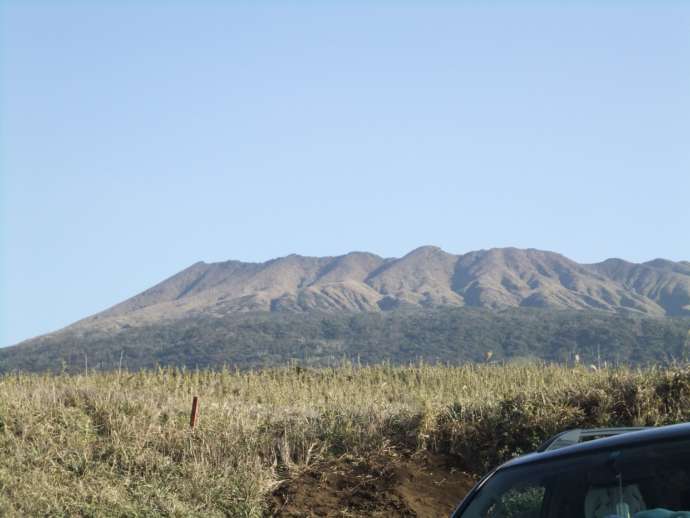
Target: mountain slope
<point>426,277</point>
<point>409,334</point>
<point>665,283</point>
<point>427,304</point>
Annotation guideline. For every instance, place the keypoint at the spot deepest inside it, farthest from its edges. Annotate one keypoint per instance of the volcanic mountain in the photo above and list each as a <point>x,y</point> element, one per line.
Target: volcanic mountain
<point>427,304</point>
<point>427,276</point>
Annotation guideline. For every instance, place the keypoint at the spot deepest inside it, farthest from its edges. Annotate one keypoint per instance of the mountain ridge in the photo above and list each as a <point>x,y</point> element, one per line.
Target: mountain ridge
<point>427,276</point>
<point>428,304</point>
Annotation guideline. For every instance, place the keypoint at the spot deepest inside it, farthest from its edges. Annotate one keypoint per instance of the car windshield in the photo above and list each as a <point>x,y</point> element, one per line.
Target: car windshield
<point>645,481</point>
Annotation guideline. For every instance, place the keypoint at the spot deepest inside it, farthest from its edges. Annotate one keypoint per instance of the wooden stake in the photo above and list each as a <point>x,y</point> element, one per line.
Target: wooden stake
<point>195,412</point>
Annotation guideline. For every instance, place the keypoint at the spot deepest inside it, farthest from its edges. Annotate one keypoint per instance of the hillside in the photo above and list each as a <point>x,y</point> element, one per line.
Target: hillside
<point>428,304</point>
<point>446,335</point>
<point>426,277</point>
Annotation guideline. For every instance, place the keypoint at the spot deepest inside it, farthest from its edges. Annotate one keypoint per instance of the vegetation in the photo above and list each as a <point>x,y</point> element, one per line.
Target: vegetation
<point>446,335</point>
<point>118,443</point>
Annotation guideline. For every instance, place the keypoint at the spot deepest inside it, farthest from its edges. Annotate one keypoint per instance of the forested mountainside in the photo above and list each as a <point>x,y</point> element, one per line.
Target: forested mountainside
<point>453,335</point>
<point>428,304</point>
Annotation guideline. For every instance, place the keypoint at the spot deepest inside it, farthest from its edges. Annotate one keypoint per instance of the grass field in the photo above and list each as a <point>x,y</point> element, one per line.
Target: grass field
<point>119,444</point>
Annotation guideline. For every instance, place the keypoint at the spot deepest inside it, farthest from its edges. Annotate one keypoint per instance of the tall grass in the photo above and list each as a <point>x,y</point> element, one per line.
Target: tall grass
<point>117,444</point>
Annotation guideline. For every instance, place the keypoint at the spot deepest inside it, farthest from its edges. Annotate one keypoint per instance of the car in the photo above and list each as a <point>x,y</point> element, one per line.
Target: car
<point>641,473</point>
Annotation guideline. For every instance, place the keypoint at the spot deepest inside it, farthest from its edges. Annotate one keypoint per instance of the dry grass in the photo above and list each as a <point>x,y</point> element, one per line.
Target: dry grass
<point>110,444</point>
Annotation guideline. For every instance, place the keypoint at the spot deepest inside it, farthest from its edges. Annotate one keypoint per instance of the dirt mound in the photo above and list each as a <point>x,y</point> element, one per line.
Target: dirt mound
<point>422,485</point>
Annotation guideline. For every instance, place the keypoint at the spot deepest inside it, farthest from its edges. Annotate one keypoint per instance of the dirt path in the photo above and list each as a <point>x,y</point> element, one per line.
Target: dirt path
<point>422,485</point>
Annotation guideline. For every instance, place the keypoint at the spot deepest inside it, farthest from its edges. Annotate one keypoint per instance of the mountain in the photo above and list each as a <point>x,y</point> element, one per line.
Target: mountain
<point>230,297</point>
<point>427,277</point>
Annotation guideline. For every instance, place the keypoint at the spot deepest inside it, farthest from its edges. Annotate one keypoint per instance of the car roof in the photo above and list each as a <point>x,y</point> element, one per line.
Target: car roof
<point>662,433</point>
<point>578,435</point>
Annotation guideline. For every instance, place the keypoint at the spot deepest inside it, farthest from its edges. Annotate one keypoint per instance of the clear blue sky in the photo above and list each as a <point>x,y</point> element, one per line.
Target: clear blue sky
<point>139,138</point>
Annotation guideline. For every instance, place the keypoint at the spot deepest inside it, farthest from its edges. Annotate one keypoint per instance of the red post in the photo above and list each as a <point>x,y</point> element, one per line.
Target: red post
<point>195,412</point>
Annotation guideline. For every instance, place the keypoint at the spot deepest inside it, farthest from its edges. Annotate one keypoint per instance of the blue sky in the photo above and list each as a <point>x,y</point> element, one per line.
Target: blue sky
<point>139,138</point>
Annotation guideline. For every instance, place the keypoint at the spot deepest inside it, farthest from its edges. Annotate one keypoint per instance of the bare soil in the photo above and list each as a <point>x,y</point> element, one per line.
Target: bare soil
<point>387,485</point>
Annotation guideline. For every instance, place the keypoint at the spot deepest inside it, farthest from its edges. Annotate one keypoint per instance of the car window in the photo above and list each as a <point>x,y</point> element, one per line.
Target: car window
<point>630,481</point>
<point>519,502</point>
